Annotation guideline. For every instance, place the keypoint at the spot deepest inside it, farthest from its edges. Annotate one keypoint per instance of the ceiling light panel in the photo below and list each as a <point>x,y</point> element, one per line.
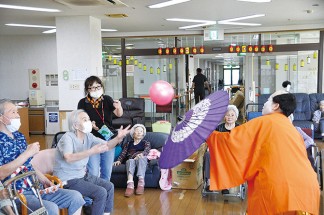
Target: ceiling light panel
<point>28,8</point>
<point>167,3</point>
<point>256,1</point>
<point>29,26</point>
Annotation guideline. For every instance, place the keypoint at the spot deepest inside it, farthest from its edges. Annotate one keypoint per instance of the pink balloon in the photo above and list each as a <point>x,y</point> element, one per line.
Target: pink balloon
<point>161,92</point>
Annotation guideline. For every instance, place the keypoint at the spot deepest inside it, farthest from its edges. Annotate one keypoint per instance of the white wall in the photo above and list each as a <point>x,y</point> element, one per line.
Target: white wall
<point>20,53</point>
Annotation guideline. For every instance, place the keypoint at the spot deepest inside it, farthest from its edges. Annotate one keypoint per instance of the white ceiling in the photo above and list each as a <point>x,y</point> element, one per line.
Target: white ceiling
<point>142,21</point>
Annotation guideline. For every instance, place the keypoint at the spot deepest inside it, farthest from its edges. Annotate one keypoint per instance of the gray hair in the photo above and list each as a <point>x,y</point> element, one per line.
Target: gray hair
<point>321,102</point>
<point>2,104</point>
<point>73,118</point>
<point>233,108</point>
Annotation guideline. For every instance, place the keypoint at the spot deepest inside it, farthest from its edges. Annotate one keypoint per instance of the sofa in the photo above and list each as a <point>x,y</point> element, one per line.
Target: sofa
<point>303,114</point>
<point>134,112</point>
<point>152,174</point>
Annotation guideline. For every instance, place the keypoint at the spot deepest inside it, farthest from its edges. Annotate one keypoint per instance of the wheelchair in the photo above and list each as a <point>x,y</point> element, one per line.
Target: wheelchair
<point>14,195</point>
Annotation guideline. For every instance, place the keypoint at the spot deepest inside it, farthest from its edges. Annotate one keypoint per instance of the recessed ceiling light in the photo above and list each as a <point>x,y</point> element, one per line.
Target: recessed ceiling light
<point>108,30</point>
<point>29,26</point>
<point>167,3</point>
<point>28,8</point>
<point>256,1</point>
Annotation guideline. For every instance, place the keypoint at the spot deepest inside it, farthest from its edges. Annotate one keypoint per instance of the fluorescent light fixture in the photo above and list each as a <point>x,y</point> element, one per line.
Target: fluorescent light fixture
<point>202,22</point>
<point>28,8</point>
<point>49,31</point>
<point>187,20</point>
<point>167,3</point>
<point>238,23</point>
<point>243,17</point>
<point>108,30</point>
<point>29,26</point>
<point>256,1</point>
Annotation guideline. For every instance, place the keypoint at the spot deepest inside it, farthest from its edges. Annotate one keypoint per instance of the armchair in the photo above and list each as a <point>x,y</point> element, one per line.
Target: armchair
<point>134,112</point>
<point>152,174</point>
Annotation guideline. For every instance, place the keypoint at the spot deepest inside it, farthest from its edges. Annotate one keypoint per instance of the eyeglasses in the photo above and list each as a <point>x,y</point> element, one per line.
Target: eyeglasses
<point>95,88</point>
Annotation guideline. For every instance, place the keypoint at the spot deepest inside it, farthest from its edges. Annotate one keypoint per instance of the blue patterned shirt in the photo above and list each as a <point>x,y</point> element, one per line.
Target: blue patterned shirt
<point>10,149</point>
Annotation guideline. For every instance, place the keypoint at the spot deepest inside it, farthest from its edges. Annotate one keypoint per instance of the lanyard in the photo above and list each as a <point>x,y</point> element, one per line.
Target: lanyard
<point>103,113</point>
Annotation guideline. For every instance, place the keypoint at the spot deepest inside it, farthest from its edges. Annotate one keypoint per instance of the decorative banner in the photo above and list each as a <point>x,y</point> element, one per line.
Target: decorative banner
<point>244,49</point>
<point>237,49</point>
<point>294,67</point>
<point>201,50</point>
<point>231,49</point>
<point>109,57</point>
<point>140,65</point>
<point>174,50</point>
<point>270,48</point>
<point>115,61</point>
<point>256,48</point>
<point>160,51</point>
<point>286,67</point>
<point>181,50</point>
<point>263,49</point>
<point>187,50</point>
<point>194,50</point>
<point>158,70</point>
<point>151,70</point>
<point>135,62</point>
<point>277,66</point>
<point>302,63</point>
<point>250,48</point>
<point>167,51</point>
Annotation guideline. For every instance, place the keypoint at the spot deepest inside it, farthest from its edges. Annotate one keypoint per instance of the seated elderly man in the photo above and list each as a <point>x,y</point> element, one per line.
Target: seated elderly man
<point>16,153</point>
<point>72,156</point>
<point>5,204</point>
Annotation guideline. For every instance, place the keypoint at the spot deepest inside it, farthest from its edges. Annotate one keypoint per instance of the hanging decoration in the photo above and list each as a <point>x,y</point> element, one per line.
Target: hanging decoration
<point>302,63</point>
<point>256,48</point>
<point>174,50</point>
<point>237,47</point>
<point>286,67</point>
<point>294,67</point>
<point>263,49</point>
<point>194,48</point>
<point>144,67</point>
<point>277,66</point>
<point>250,48</point>
<point>135,62</point>
<point>158,70</point>
<point>181,49</point>
<point>268,62</point>
<point>109,57</point>
<point>115,61</point>
<point>170,66</point>
<point>308,60</point>
<point>270,47</point>
<point>315,55</point>
<point>131,57</point>
<point>140,65</point>
<point>167,51</point>
<point>151,70</point>
<point>187,49</point>
<point>164,68</point>
<point>243,48</point>
<point>120,63</point>
<point>160,51</point>
<point>127,61</point>
<point>202,49</point>
<point>231,49</point>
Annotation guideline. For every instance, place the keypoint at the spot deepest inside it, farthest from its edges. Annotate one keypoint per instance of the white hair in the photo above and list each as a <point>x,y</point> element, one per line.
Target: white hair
<point>73,119</point>
<point>233,108</point>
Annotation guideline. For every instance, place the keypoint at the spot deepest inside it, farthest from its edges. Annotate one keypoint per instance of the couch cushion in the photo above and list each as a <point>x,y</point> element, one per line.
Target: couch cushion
<point>157,139</point>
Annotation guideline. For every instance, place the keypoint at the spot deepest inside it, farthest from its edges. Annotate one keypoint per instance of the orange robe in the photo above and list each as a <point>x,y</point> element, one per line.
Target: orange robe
<point>268,153</point>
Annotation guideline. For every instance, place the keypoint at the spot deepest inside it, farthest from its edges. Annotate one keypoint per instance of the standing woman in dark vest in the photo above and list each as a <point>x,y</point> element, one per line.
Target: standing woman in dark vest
<point>100,108</point>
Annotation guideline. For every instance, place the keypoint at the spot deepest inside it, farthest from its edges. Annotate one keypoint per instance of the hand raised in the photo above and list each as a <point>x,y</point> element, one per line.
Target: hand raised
<point>123,132</point>
<point>117,104</point>
<point>99,148</point>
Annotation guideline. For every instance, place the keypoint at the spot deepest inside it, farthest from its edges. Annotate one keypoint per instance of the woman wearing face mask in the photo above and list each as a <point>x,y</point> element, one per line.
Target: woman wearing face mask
<point>100,108</point>
<point>71,158</point>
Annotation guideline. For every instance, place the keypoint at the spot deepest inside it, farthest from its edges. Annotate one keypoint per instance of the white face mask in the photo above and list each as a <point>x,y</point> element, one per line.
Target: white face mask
<point>14,125</point>
<point>96,94</point>
<point>87,127</point>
